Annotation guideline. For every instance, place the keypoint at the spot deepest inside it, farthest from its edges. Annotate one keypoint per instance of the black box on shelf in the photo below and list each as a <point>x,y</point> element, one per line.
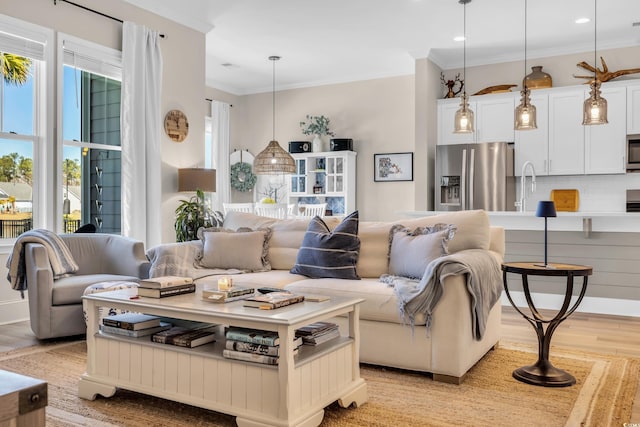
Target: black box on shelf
<point>341,144</point>
<point>299,147</point>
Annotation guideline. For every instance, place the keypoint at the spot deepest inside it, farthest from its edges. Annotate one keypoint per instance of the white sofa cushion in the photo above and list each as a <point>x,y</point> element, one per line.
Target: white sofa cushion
<point>380,303</point>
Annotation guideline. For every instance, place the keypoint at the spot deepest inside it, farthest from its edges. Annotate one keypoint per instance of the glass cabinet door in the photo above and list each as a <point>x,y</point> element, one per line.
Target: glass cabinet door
<point>299,179</point>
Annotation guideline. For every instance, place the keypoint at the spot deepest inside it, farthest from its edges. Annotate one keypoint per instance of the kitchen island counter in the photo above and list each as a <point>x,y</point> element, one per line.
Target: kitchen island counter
<point>565,221</point>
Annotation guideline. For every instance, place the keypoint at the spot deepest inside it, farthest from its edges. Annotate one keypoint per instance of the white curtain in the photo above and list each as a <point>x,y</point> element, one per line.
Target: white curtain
<point>141,123</point>
<point>220,112</point>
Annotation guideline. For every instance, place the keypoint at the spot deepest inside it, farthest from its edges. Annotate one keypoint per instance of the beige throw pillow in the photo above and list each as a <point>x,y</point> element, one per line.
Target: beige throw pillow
<point>411,251</point>
<point>243,249</point>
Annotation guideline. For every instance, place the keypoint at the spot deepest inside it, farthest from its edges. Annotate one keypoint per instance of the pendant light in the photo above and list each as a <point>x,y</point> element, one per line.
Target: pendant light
<point>525,115</point>
<point>594,111</point>
<point>464,116</point>
<point>273,160</point>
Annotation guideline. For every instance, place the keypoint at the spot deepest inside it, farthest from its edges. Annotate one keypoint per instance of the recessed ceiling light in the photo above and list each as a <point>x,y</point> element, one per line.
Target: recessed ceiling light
<point>582,20</point>
<point>458,39</point>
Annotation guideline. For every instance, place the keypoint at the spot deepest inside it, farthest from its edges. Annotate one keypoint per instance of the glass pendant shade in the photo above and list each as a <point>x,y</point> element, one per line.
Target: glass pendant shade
<point>464,117</point>
<point>525,117</point>
<point>594,111</point>
<point>273,160</point>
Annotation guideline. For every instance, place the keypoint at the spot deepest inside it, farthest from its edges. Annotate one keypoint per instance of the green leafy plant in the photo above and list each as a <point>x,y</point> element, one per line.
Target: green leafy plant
<point>193,214</point>
<point>316,125</point>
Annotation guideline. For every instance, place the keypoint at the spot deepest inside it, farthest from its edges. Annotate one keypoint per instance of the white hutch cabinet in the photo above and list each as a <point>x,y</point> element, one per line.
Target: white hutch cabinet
<point>325,177</point>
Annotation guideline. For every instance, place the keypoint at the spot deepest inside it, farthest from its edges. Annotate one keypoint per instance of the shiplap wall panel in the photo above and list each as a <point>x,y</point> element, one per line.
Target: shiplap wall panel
<point>614,257</point>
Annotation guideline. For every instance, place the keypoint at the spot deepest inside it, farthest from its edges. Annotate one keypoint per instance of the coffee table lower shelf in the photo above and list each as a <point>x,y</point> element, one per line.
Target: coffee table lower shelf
<point>258,395</point>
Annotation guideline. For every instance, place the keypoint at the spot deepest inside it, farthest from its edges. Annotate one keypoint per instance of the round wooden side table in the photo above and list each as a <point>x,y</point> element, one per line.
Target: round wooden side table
<point>542,372</point>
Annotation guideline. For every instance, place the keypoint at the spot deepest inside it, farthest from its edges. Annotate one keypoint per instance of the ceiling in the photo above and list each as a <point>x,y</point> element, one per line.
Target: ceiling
<point>332,41</point>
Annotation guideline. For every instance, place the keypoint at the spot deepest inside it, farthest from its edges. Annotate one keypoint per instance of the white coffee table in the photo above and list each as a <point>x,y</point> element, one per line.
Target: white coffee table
<point>293,393</point>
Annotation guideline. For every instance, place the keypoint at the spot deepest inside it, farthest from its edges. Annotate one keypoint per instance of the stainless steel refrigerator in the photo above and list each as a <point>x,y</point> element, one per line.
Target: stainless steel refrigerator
<point>475,176</point>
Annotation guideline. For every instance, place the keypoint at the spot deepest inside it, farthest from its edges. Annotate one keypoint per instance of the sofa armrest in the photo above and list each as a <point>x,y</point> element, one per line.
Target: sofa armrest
<point>39,287</point>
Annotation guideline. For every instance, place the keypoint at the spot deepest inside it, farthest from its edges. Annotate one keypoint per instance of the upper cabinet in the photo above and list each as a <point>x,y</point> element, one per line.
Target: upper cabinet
<point>494,118</point>
<point>566,132</point>
<point>605,145</point>
<point>561,145</point>
<point>532,145</point>
<point>633,109</point>
<point>491,114</point>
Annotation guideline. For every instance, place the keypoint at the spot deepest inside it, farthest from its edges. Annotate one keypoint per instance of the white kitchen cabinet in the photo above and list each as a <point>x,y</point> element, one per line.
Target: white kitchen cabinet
<point>605,145</point>
<point>566,132</point>
<point>533,145</point>
<point>325,177</point>
<point>446,116</point>
<point>493,119</point>
<point>633,109</point>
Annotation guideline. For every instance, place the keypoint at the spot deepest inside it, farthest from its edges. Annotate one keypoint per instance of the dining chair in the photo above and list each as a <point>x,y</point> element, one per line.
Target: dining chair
<point>309,210</point>
<point>238,207</point>
<point>272,210</point>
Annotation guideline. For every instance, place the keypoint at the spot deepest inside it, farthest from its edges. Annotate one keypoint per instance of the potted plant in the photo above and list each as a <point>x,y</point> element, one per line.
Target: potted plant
<point>317,126</point>
<point>193,214</point>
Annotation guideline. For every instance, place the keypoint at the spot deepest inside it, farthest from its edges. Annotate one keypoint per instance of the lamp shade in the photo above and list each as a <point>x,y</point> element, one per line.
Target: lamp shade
<point>273,160</point>
<point>546,209</point>
<point>192,179</point>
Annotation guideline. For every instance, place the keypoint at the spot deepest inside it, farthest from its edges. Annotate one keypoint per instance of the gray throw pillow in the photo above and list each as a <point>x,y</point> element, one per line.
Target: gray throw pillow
<point>331,254</point>
<point>227,249</point>
<point>410,251</point>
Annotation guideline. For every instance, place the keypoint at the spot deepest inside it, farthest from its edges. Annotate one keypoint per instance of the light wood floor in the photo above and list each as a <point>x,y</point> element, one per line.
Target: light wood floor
<point>582,331</point>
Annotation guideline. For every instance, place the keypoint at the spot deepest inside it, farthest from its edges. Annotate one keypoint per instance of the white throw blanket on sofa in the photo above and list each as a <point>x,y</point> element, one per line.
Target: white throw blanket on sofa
<point>484,283</point>
<point>60,257</point>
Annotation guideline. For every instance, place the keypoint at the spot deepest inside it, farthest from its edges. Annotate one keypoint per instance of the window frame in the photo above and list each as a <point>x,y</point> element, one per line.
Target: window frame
<point>96,59</point>
<point>43,120</point>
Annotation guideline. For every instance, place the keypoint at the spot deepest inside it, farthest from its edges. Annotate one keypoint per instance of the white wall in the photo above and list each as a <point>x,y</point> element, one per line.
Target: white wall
<point>379,116</point>
<point>183,51</point>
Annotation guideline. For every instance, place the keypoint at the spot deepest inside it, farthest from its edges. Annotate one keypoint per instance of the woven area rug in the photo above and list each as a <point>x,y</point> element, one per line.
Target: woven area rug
<point>603,395</point>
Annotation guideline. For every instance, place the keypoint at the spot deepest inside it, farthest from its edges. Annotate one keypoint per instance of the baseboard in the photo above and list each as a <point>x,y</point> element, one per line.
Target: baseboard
<point>14,311</point>
<point>615,307</point>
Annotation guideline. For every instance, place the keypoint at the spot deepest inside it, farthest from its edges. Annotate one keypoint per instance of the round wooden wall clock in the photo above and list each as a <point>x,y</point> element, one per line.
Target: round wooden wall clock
<point>176,125</point>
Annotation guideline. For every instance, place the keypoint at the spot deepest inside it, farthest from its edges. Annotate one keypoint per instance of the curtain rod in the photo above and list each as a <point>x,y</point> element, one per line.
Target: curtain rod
<point>55,2</point>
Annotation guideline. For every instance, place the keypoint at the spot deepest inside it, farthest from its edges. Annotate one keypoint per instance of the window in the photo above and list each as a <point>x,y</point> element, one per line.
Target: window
<point>91,165</point>
<point>21,58</point>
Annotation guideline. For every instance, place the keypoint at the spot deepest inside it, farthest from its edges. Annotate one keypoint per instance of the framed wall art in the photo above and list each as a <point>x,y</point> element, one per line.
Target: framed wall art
<point>393,167</point>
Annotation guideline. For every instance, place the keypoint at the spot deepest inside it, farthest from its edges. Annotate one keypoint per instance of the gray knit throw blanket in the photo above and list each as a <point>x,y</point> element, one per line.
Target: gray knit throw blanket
<point>60,257</point>
<point>483,278</point>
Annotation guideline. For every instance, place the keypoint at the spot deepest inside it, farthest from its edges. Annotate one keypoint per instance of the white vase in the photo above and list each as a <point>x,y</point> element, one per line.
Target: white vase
<point>317,144</point>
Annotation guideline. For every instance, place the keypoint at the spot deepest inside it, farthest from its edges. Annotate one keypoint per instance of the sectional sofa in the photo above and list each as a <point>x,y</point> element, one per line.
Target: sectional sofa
<point>448,347</point>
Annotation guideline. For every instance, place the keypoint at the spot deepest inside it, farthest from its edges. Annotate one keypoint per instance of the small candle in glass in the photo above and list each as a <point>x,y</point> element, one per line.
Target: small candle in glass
<point>225,283</point>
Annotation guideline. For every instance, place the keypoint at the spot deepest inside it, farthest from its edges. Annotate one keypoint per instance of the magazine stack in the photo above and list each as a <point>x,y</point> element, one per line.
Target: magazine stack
<point>254,345</point>
<point>318,333</point>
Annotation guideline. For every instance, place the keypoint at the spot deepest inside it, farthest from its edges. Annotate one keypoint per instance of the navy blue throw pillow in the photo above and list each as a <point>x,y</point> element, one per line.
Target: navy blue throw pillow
<point>329,254</point>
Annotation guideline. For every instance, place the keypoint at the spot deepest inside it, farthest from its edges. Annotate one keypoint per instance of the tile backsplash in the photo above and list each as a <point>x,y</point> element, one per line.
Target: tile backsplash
<point>598,193</point>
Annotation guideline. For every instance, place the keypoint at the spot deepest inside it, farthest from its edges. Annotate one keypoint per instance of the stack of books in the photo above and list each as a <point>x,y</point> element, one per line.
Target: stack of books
<point>133,325</point>
<point>273,300</point>
<point>166,286</point>
<point>318,333</point>
<point>232,294</point>
<point>187,335</point>
<point>254,345</point>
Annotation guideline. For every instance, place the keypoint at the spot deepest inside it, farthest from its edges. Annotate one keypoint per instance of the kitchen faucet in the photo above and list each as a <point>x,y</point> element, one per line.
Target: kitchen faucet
<point>523,179</point>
